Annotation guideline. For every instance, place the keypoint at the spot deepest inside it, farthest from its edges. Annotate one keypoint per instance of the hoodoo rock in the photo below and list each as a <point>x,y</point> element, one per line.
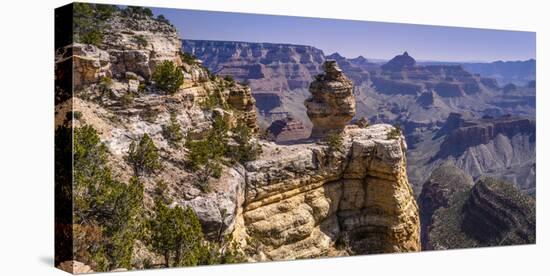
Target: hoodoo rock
<point>332,104</point>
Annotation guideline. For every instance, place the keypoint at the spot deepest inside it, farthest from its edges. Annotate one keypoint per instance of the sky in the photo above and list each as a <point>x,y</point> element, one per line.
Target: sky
<point>352,38</point>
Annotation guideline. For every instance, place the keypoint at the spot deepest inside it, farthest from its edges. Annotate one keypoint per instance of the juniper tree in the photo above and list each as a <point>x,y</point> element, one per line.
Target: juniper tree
<point>168,77</point>
<point>144,156</point>
<point>172,132</point>
<point>246,150</point>
<point>106,212</point>
<point>176,234</point>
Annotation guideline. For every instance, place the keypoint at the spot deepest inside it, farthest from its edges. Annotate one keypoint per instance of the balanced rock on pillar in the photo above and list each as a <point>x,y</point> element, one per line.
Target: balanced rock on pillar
<point>332,104</point>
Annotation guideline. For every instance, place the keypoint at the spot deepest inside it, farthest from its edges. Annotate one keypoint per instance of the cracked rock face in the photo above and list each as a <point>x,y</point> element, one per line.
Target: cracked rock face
<point>303,201</point>
<point>332,104</point>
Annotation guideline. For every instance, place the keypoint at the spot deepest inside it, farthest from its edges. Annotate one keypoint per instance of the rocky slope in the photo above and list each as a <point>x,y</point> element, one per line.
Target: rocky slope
<point>490,213</point>
<point>299,200</point>
<point>443,183</point>
<point>496,213</point>
<point>501,147</point>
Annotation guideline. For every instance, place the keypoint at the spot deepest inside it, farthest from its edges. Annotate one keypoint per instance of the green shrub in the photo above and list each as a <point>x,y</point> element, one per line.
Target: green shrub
<point>176,234</point>
<point>168,77</point>
<point>141,41</point>
<point>77,115</point>
<point>94,37</point>
<point>212,100</point>
<point>188,58</point>
<point>160,191</point>
<point>144,156</point>
<point>89,22</point>
<point>104,12</point>
<point>105,84</point>
<point>162,19</point>
<point>246,150</point>
<point>395,133</point>
<point>106,212</point>
<point>230,80</point>
<point>335,142</point>
<point>135,11</point>
<point>205,155</point>
<point>172,132</point>
<point>141,88</point>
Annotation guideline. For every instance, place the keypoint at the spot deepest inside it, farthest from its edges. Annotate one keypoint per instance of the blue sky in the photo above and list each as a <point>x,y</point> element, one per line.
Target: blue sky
<point>353,38</point>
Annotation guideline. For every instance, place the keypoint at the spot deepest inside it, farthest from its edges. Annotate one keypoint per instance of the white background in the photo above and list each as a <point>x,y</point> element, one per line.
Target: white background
<point>26,137</point>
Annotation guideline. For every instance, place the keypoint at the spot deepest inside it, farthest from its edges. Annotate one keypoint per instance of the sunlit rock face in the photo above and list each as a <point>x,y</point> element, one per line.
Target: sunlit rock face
<point>304,201</point>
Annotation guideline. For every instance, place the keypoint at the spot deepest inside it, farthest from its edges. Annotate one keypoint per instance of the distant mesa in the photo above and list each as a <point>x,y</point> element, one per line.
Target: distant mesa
<point>400,62</point>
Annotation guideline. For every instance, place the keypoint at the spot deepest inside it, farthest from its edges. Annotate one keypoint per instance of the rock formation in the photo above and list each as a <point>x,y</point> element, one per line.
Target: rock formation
<point>481,131</point>
<point>491,213</point>
<point>305,201</point>
<point>497,213</point>
<point>502,147</point>
<point>332,104</point>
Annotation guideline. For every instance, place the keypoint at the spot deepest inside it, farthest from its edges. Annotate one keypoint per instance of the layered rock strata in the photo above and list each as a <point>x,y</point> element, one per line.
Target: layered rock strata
<point>332,104</point>
<point>497,213</point>
<point>306,201</point>
<point>491,213</point>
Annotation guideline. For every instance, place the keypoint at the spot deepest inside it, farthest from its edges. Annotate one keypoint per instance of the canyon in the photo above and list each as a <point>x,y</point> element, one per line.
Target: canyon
<point>297,200</point>
<point>418,96</point>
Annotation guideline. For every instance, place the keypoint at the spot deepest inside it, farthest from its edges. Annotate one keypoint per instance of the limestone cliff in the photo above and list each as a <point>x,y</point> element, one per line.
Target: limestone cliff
<point>305,201</point>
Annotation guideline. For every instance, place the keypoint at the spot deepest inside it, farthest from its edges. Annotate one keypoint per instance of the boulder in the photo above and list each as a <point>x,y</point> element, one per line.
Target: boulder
<point>75,267</point>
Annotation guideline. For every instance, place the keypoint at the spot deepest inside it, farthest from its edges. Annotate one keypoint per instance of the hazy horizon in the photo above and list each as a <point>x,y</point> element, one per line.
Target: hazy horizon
<point>352,38</point>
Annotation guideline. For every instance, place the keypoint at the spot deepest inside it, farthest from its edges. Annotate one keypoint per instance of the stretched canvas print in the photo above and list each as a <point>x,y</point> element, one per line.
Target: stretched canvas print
<point>187,138</point>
